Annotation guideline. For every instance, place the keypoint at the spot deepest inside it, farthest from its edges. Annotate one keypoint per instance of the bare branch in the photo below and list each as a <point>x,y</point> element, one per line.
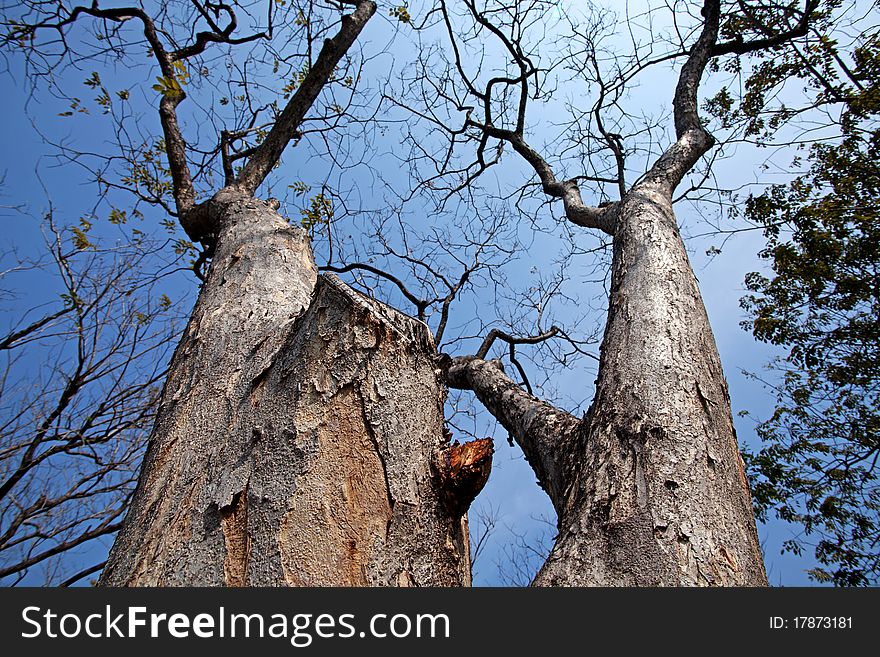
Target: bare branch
<point>290,119</point>
<point>420,304</point>
<point>543,432</point>
<point>692,139</point>
<point>218,35</point>
<point>602,218</point>
<point>494,334</point>
<point>73,579</point>
<point>184,192</point>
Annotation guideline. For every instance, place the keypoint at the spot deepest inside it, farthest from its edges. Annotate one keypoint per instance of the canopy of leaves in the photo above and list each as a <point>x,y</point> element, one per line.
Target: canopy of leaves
<point>817,466</point>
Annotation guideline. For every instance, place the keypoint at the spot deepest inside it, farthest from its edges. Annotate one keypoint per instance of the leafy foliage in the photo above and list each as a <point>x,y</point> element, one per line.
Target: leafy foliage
<point>401,13</point>
<point>818,463</point>
<point>320,211</point>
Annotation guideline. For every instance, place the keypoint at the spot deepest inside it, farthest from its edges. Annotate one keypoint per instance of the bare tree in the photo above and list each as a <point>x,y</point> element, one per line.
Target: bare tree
<point>81,379</point>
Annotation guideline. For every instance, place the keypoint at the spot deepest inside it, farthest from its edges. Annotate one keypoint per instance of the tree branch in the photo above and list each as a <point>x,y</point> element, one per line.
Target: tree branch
<point>692,140</point>
<point>739,46</point>
<point>106,527</point>
<point>218,35</point>
<point>576,211</point>
<point>287,124</point>
<point>73,579</point>
<point>184,193</point>
<point>420,304</point>
<point>544,433</point>
<point>9,341</point>
<point>494,334</point>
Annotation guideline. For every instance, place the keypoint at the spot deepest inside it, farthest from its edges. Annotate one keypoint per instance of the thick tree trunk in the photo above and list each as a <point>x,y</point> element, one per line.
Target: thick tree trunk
<point>658,494</point>
<point>296,433</point>
<point>649,487</point>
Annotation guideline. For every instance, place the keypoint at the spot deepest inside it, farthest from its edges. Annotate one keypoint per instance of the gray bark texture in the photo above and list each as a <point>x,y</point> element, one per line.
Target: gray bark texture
<point>298,433</point>
<point>657,493</point>
<point>649,486</point>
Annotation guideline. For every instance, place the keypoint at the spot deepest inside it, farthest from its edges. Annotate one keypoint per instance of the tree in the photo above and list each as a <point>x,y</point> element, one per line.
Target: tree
<point>300,434</point>
<point>81,378</point>
<point>299,438</point>
<point>817,466</point>
<point>649,487</point>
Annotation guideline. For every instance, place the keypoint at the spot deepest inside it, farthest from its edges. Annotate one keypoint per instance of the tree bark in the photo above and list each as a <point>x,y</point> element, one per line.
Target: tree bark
<point>658,493</point>
<point>649,487</point>
<point>298,433</point>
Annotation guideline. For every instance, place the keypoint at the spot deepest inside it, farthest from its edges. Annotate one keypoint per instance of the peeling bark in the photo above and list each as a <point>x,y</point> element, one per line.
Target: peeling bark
<point>649,487</point>
<point>658,494</point>
<point>295,434</point>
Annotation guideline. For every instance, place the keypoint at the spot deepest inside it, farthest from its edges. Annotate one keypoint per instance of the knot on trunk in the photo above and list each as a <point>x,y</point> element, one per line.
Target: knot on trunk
<point>462,471</point>
<point>202,222</point>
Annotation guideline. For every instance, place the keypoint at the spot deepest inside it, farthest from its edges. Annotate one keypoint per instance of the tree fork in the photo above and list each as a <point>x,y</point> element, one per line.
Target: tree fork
<point>649,486</point>
<point>296,433</point>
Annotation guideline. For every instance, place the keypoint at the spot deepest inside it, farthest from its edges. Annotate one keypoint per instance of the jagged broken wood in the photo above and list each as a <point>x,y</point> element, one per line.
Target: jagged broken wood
<point>463,471</point>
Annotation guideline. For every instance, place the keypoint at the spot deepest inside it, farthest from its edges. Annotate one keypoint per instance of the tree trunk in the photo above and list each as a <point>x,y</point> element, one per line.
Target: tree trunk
<point>296,433</point>
<point>659,494</point>
<point>649,487</point>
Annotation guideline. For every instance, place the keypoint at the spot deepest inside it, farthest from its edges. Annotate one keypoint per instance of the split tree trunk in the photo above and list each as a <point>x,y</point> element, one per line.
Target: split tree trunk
<point>296,433</point>
<point>649,487</point>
